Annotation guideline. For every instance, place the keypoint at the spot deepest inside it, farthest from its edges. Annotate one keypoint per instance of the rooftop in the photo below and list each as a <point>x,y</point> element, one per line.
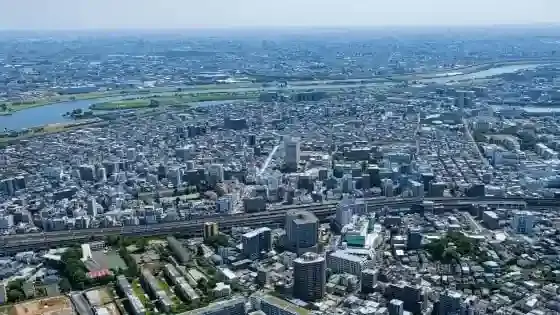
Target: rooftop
<point>50,306</point>
<point>285,305</point>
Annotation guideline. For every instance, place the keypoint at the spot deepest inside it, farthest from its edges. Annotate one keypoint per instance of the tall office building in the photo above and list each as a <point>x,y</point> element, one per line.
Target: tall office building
<point>102,174</point>
<point>464,99</point>
<point>302,231</point>
<point>256,241</point>
<point>87,172</point>
<point>417,188</point>
<point>309,277</point>
<point>6,221</point>
<point>92,206</point>
<point>414,238</point>
<point>291,153</point>
<point>348,184</point>
<point>450,302</point>
<point>414,297</point>
<point>224,204</point>
<point>396,307</point>
<point>131,154</point>
<point>215,174</point>
<point>369,280</point>
<point>210,230</point>
<point>344,212</point>
<point>523,222</point>
<point>387,187</point>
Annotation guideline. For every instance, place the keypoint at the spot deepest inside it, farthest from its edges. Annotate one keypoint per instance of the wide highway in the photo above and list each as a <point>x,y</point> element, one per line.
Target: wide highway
<point>272,217</point>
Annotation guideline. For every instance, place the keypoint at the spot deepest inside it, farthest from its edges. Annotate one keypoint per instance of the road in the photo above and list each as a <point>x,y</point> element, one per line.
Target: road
<point>475,225</point>
<point>473,142</point>
<point>418,127</point>
<point>268,160</point>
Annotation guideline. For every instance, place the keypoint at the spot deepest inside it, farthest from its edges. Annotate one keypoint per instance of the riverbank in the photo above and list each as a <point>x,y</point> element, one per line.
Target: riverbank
<point>13,137</point>
<point>439,75</point>
<point>8,108</point>
<point>176,99</point>
<point>12,107</point>
<point>57,112</point>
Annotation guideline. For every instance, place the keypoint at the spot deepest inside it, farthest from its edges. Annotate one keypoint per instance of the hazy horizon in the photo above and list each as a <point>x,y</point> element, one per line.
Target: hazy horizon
<point>99,15</point>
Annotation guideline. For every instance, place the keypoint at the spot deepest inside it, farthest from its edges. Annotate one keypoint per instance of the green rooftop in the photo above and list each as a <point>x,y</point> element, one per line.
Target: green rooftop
<point>285,305</point>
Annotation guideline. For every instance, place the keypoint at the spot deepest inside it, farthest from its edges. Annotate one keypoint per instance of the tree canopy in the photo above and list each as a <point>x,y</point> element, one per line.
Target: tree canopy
<point>450,248</point>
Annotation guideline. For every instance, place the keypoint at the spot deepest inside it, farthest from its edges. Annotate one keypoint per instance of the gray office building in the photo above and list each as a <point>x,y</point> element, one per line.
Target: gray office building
<point>302,229</point>
<point>257,241</point>
<point>369,280</point>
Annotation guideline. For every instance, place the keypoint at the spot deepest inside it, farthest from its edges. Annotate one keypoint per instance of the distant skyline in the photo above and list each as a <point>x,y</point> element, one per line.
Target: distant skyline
<point>189,14</point>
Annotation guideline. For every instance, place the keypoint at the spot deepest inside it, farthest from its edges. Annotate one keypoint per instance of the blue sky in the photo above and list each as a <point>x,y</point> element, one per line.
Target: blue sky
<point>173,14</point>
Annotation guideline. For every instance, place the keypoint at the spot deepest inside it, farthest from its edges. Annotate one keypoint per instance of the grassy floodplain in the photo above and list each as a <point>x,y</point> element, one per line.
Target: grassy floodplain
<point>9,107</point>
<point>6,108</point>
<point>173,99</point>
<point>45,130</point>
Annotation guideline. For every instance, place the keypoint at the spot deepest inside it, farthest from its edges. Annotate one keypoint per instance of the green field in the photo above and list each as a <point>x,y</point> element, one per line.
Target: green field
<point>45,130</point>
<point>163,285</point>
<point>139,292</point>
<point>172,99</point>
<point>11,107</point>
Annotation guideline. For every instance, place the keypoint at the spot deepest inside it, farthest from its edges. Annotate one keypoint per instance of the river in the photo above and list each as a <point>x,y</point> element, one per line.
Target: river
<point>53,113</point>
<point>459,76</point>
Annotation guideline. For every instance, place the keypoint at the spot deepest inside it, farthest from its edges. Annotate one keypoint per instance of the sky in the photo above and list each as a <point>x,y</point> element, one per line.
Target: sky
<point>182,14</point>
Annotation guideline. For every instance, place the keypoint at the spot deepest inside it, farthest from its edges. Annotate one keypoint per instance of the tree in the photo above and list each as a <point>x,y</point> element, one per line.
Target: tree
<point>65,285</point>
<point>449,256</point>
<point>4,107</point>
<point>141,243</point>
<point>199,251</point>
<point>217,241</point>
<point>15,285</point>
<point>154,103</point>
<point>211,284</point>
<point>132,267</point>
<point>201,284</point>
<point>436,249</point>
<point>113,240</point>
<point>15,296</point>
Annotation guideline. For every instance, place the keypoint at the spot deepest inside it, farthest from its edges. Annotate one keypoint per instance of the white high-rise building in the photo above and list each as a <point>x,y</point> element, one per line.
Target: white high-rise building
<point>342,262</point>
<point>344,212</point>
<point>291,152</point>
<point>523,222</point>
<point>131,154</point>
<point>92,207</point>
